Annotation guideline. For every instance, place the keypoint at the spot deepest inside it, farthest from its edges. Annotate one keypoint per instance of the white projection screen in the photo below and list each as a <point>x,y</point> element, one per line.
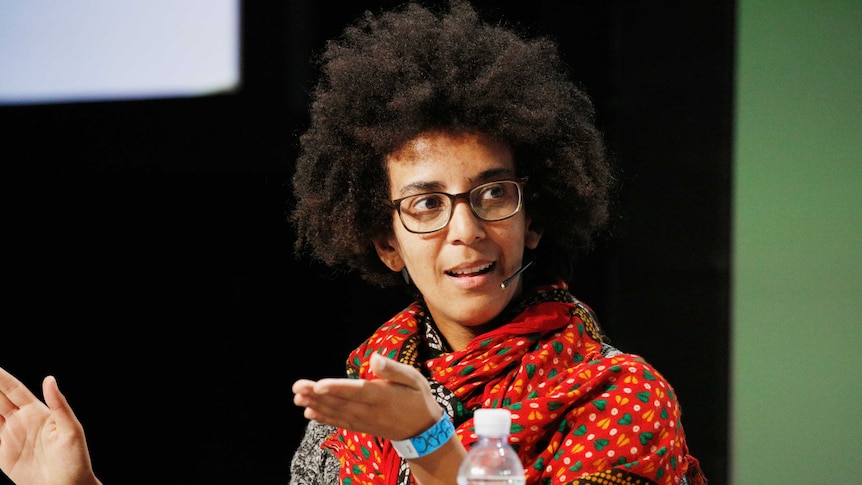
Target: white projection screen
<point>98,50</point>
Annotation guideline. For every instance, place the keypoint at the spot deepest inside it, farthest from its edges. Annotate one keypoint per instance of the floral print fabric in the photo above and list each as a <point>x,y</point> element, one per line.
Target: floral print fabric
<point>578,416</point>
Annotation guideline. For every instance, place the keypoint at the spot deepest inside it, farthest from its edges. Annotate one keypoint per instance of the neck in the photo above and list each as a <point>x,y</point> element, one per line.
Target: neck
<point>459,334</point>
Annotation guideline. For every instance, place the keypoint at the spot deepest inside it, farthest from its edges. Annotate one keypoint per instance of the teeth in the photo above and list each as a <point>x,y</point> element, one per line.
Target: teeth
<point>472,270</point>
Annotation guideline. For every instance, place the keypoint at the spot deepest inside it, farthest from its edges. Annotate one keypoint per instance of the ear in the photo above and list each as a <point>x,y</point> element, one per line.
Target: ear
<point>389,254</point>
<point>532,236</point>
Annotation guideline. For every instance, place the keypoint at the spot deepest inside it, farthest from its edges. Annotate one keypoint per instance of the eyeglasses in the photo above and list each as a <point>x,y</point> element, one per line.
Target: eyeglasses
<point>432,211</point>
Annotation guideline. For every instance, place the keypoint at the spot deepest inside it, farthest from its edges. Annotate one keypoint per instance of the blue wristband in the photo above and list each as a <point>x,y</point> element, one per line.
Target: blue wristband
<point>427,442</point>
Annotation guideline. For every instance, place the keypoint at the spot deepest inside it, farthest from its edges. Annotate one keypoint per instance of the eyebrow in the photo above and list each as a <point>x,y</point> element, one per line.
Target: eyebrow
<point>433,186</point>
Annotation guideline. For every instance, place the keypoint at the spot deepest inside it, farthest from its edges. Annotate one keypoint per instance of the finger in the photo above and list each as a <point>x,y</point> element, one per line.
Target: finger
<point>305,390</point>
<point>303,386</point>
<point>356,390</point>
<point>55,399</point>
<point>306,397</point>
<point>331,403</point>
<point>13,394</point>
<point>395,371</point>
<point>327,399</point>
<point>6,405</point>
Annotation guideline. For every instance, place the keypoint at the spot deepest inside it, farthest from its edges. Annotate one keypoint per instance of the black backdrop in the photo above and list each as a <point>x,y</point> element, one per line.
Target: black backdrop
<point>148,261</point>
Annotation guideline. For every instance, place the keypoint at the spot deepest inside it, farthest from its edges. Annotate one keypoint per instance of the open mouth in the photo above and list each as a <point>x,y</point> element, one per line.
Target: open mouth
<point>477,271</point>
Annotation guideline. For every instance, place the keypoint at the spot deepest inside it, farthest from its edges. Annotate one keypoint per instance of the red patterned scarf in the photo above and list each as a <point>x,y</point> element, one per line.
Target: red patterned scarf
<point>578,416</point>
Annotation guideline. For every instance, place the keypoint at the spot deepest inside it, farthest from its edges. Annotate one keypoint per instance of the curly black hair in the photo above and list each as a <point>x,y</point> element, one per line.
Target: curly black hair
<point>393,75</point>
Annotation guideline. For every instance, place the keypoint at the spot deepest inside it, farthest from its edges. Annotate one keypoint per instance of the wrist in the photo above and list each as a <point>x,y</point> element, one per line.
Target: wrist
<point>426,442</point>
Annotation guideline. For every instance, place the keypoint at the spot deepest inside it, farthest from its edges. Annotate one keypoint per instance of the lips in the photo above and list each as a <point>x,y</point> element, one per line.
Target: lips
<point>472,271</point>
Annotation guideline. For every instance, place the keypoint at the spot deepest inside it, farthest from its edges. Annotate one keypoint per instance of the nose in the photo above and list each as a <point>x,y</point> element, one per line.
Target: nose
<point>464,226</point>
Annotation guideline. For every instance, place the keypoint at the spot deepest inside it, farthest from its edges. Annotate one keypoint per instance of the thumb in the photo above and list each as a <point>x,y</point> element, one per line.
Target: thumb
<point>394,371</point>
<point>56,401</point>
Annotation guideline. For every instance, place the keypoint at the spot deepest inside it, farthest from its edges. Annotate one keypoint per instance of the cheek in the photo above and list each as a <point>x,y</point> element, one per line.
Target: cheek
<point>514,236</point>
<point>418,252</point>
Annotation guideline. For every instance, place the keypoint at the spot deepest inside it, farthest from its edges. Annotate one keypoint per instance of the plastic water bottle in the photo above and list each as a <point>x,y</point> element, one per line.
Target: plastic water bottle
<point>491,460</point>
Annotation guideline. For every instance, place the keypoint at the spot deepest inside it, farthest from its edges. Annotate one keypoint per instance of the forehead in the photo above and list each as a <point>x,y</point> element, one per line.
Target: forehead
<point>441,160</point>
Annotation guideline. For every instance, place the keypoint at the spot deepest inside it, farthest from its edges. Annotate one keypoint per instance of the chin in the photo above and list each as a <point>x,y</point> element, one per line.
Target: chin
<point>481,314</point>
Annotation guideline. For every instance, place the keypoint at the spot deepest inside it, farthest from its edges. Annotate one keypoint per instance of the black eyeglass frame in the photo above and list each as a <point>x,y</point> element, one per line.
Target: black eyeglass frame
<point>519,182</point>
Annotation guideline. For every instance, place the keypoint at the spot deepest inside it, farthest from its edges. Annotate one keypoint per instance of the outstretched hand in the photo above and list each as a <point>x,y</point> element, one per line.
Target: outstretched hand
<point>41,443</point>
<point>396,406</point>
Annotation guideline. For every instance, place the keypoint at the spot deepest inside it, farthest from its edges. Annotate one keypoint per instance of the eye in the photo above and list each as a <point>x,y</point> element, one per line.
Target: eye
<point>492,192</point>
<point>425,204</point>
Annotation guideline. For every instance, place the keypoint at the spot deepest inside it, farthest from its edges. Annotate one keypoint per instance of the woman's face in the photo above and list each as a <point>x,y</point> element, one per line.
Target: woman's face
<point>458,269</point>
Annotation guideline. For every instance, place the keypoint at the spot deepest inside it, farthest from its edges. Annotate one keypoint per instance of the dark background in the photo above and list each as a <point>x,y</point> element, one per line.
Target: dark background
<point>148,260</point>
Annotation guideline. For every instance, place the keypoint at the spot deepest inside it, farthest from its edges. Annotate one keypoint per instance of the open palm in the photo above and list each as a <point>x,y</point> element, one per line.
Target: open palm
<point>41,443</point>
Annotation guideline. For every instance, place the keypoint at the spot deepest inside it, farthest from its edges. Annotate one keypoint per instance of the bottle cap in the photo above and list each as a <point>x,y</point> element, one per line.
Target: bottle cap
<point>492,421</point>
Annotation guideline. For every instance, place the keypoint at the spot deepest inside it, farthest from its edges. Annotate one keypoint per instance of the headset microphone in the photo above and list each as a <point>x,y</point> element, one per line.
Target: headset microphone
<point>509,280</point>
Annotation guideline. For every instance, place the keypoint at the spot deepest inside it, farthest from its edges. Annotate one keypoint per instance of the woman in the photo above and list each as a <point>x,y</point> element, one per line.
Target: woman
<point>456,158</point>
